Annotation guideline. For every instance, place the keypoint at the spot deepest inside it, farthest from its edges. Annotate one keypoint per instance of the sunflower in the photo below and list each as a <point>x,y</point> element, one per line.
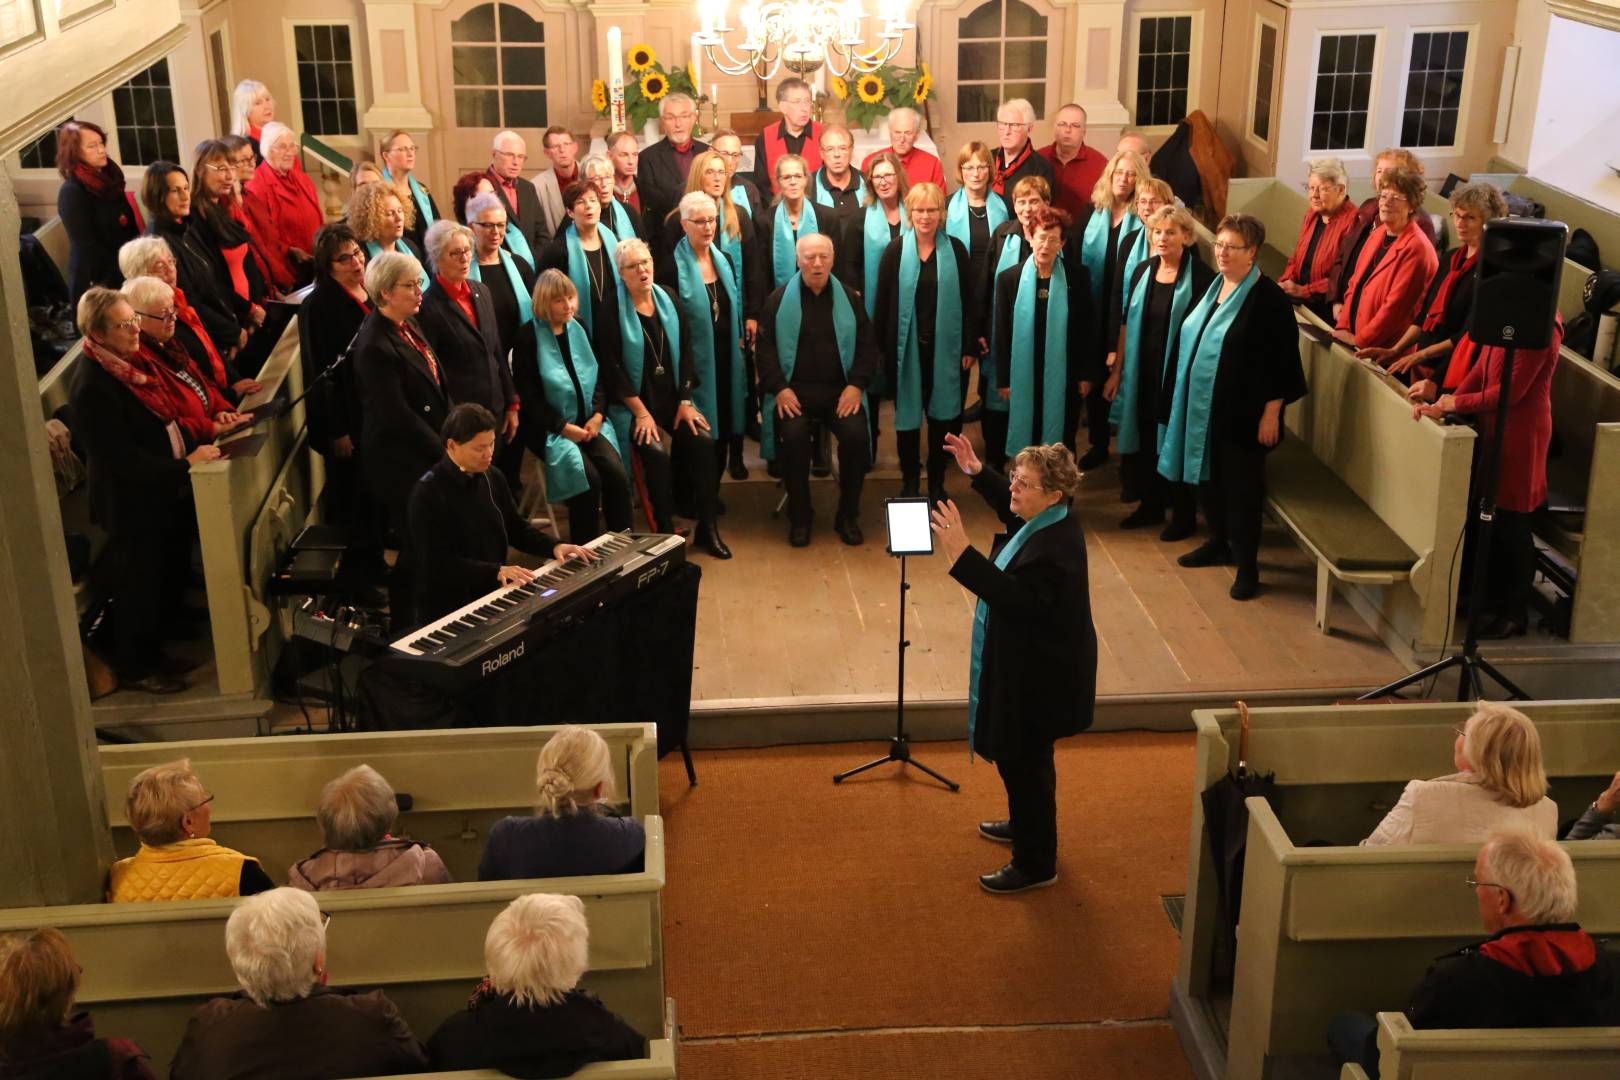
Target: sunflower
<point>870,88</point>
<point>641,57</point>
<point>925,86</point>
<point>840,88</point>
<point>654,86</point>
<point>929,75</point>
<point>599,98</point>
<point>691,76</point>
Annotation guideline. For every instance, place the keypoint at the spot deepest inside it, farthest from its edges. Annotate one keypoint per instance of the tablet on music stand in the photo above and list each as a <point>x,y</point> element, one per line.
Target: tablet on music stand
<point>908,526</point>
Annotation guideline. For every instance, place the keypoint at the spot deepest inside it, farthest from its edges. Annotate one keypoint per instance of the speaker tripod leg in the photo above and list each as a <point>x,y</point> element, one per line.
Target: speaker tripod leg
<point>952,784</point>
<point>839,778</point>
<point>1501,680</point>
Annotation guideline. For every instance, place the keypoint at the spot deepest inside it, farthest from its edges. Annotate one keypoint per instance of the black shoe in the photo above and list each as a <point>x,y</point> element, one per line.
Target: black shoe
<point>973,413</point>
<point>1128,493</point>
<point>1143,516</point>
<point>174,665</point>
<point>1010,879</point>
<point>773,469</point>
<point>1246,585</point>
<point>154,684</point>
<point>1178,530</point>
<point>999,831</point>
<point>737,470</point>
<point>1210,553</point>
<point>707,537</point>
<point>1500,628</point>
<point>1093,457</point>
<point>799,535</point>
<point>820,470</point>
<point>849,531</point>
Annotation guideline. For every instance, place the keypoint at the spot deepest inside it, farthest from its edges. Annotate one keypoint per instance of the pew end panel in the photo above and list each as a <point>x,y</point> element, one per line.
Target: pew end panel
<point>1499,1054</point>
<point>1352,1071</point>
<point>1596,614</point>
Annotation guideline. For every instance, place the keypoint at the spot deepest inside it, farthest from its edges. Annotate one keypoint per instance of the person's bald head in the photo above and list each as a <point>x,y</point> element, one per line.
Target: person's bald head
<point>1137,145</point>
<point>814,252</point>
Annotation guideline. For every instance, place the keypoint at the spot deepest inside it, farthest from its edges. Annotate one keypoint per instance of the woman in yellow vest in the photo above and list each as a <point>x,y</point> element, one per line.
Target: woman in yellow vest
<point>170,813</point>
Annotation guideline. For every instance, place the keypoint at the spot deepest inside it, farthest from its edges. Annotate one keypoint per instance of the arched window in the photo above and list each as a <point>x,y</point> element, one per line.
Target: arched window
<point>1000,54</point>
<point>498,61</point>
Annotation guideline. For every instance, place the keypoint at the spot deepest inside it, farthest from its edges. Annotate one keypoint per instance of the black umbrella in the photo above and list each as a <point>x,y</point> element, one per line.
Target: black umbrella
<point>1226,821</point>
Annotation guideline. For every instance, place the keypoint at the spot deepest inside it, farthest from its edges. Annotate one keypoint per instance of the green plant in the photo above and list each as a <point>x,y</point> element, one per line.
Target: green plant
<point>868,98</point>
<point>646,82</point>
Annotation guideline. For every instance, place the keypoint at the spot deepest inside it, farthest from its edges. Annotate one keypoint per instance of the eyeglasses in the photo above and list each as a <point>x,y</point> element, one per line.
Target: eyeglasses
<point>326,921</point>
<point>208,799</point>
<point>1229,248</point>
<point>512,155</point>
<point>1472,884</point>
<point>410,286</point>
<point>702,221</point>
<point>637,265</point>
<point>352,255</point>
<point>159,316</point>
<point>459,253</point>
<point>730,155</point>
<point>127,324</point>
<point>489,224</point>
<point>1010,125</point>
<point>215,166</point>
<point>409,148</point>
<point>1018,483</point>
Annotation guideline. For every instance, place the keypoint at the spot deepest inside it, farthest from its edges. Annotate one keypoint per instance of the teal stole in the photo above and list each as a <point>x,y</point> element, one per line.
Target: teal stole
<point>1184,453</point>
<point>1094,248</point>
<point>565,463</point>
<point>620,223</point>
<point>633,352</point>
<point>945,402</point>
<point>516,242</point>
<point>419,195</point>
<point>788,316</point>
<point>956,216</point>
<point>1011,252</point>
<point>1134,255</point>
<point>1123,412</point>
<point>706,354</point>
<point>374,249</point>
<point>874,239</point>
<point>525,302</point>
<point>784,257</point>
<point>824,195</point>
<point>1023,427</point>
<point>580,274</point>
<point>731,246</point>
<point>981,611</point>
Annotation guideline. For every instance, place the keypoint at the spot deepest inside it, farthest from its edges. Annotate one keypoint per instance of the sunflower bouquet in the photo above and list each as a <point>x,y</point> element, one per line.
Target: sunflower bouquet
<point>646,83</point>
<point>867,98</point>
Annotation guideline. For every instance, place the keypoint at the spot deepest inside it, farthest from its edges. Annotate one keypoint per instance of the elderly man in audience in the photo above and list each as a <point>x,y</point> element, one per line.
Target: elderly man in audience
<point>817,355</point>
<point>563,150</point>
<point>1538,969</point>
<point>662,168</point>
<point>171,813</point>
<point>796,133</point>
<point>285,1021</point>
<point>1500,783</point>
<point>1016,157</point>
<point>1329,219</point>
<point>530,1016</point>
<point>571,834</point>
<point>1393,272</point>
<point>1076,167</point>
<point>526,231</point>
<point>904,125</point>
<point>458,319</point>
<point>357,815</point>
<point>40,1034</point>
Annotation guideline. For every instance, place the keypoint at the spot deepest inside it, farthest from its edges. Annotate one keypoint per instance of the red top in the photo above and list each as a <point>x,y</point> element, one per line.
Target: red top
<point>920,166</point>
<point>1394,286</point>
<point>461,293</point>
<point>424,348</point>
<point>775,140</point>
<point>1319,275</point>
<point>1075,178</point>
<point>1522,487</point>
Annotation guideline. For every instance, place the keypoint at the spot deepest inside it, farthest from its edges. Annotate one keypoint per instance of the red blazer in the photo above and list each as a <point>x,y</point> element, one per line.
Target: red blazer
<point>1317,277</point>
<point>773,142</point>
<point>1394,288</point>
<point>1522,487</point>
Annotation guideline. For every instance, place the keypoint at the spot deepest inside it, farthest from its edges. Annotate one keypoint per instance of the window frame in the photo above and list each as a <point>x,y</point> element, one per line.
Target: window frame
<point>1365,152</point>
<point>115,144</point>
<point>36,34</point>
<point>289,26</point>
<point>961,15</point>
<point>1469,64</point>
<point>554,55</point>
<point>1195,58</point>
<point>1261,21</point>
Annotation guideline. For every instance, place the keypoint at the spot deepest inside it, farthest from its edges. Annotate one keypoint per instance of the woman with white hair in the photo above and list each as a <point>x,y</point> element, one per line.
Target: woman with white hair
<point>171,814</point>
<point>203,411</point>
<point>1500,783</point>
<point>283,206</point>
<point>458,320</point>
<point>252,107</point>
<point>623,220</point>
<point>1329,219</point>
<point>530,1016</point>
<point>150,256</point>
<point>357,815</point>
<point>571,833</point>
<point>286,1021</point>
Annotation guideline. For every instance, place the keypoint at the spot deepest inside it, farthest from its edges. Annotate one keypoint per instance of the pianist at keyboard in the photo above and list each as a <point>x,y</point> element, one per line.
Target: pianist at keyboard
<point>463,520</point>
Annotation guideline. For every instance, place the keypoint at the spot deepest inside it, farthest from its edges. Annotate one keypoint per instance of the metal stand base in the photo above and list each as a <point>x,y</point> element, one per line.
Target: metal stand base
<point>1470,681</point>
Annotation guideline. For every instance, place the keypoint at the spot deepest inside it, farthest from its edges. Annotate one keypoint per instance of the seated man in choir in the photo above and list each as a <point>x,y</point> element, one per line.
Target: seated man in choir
<point>356,816</point>
<point>904,125</point>
<point>1538,969</point>
<point>817,354</point>
<point>463,522</point>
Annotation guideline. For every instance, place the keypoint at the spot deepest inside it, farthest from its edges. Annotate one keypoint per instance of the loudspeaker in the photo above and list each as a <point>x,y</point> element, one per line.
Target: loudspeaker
<point>1516,294</point>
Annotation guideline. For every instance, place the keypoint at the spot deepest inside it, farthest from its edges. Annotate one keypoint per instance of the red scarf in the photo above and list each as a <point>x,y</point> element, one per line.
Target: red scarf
<point>140,377</point>
<point>1003,172</point>
<point>1462,264</point>
<point>107,183</point>
<point>188,315</point>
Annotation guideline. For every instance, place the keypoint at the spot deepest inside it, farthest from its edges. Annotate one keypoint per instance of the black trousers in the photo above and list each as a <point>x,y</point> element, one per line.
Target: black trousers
<point>993,426</point>
<point>909,444</point>
<point>607,497</point>
<point>141,573</point>
<point>509,458</point>
<point>1031,782</point>
<point>793,451</point>
<point>1233,496</point>
<point>1511,571</point>
<point>695,458</point>
<point>349,503</point>
<point>1097,409</point>
<point>1159,494</point>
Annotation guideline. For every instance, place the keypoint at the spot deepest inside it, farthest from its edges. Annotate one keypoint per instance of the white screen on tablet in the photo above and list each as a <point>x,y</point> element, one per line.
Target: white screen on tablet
<point>909,533</point>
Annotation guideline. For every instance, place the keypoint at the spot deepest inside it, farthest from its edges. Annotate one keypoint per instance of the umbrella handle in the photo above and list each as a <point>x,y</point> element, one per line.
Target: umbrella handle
<point>1243,738</point>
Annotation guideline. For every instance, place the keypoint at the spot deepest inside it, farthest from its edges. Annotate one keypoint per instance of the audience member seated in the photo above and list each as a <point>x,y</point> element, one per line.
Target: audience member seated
<point>204,412</point>
<point>286,210</point>
<point>100,216</point>
<point>468,187</point>
<point>571,834</point>
<point>380,219</point>
<point>285,1021</point>
<point>1538,969</point>
<point>150,256</point>
<point>1396,264</point>
<point>199,269</point>
<point>252,107</point>
<point>1328,223</point>
<point>170,813</point>
<point>530,1017</point>
<point>1499,784</point>
<point>1598,822</point>
<point>357,815</point>
<point>40,1034</point>
<point>139,461</point>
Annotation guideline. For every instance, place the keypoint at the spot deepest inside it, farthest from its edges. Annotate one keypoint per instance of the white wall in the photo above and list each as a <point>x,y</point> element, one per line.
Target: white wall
<point>1573,129</point>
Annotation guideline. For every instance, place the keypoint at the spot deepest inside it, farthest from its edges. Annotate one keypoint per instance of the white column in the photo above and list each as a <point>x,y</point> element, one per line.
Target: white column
<point>1097,42</point>
<point>395,68</point>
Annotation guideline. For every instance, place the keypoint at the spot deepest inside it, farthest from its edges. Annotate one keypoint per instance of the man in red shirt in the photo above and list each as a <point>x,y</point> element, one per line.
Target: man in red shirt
<point>1016,158</point>
<point>904,126</point>
<point>1076,165</point>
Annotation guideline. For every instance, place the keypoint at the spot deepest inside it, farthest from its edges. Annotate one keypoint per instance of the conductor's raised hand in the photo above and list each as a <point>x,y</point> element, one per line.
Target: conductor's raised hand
<point>947,525</point>
<point>962,451</point>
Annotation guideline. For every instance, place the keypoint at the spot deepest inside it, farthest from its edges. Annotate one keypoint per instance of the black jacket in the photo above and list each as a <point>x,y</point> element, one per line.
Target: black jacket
<point>526,217</point>
<point>135,479</point>
<point>1033,165</point>
<point>543,418</point>
<point>1488,985</point>
<point>462,525</point>
<point>887,309</point>
<point>830,222</point>
<point>1165,366</point>
<point>661,184</point>
<point>196,274</point>
<point>475,369</point>
<point>1259,363</point>
<point>754,280</point>
<point>1038,681</point>
<point>494,1032</point>
<point>864,365</point>
<point>1082,362</point>
<point>96,229</point>
<point>609,348</point>
<point>404,410</point>
<point>328,320</point>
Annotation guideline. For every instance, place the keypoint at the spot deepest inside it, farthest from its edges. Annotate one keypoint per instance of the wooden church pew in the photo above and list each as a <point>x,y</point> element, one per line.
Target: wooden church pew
<point>461,781</point>
<point>1487,1054</point>
<point>148,966</point>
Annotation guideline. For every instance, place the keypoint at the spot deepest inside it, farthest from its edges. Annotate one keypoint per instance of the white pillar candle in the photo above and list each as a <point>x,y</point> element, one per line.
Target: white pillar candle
<point>697,66</point>
<point>615,55</point>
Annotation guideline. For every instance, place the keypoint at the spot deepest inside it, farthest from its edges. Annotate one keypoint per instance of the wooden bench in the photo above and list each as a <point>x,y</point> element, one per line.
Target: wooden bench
<point>1583,496</point>
<point>1491,1053</point>
<point>148,966</point>
<point>461,782</point>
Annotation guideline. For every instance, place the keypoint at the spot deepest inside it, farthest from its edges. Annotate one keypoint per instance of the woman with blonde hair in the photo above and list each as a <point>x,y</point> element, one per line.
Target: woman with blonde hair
<point>40,1034</point>
<point>381,219</point>
<point>171,814</point>
<point>1500,783</point>
<point>572,832</point>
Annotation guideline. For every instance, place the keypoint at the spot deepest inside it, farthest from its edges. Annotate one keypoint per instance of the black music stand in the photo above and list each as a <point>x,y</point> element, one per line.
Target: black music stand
<point>909,534</point>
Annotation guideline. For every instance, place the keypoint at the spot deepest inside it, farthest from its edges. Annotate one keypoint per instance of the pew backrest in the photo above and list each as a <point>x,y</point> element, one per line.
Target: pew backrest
<point>1502,1054</point>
